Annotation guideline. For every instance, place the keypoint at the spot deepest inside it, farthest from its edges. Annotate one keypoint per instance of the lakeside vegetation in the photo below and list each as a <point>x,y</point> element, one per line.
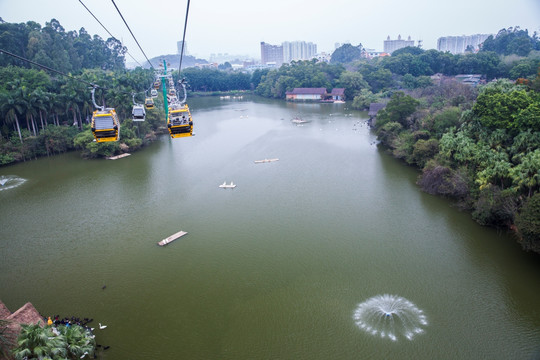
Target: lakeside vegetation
<point>476,145</point>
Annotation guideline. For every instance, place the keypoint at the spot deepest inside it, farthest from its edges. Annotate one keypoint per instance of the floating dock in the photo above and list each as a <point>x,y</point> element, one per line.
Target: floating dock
<point>171,238</point>
<point>265,161</point>
<point>117,156</point>
<point>227,186</point>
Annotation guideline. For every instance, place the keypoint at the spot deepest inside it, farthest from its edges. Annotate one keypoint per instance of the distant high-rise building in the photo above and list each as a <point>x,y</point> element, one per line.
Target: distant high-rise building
<point>271,54</point>
<point>298,50</point>
<point>458,44</point>
<point>392,45</point>
<point>179,46</point>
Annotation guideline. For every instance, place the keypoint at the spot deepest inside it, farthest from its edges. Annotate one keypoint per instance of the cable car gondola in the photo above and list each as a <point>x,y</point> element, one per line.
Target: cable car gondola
<point>105,124</point>
<point>149,103</point>
<point>138,112</point>
<point>156,84</point>
<point>179,121</point>
<point>153,93</point>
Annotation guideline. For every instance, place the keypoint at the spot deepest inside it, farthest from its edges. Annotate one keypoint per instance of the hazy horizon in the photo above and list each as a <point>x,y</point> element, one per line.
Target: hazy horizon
<point>237,27</point>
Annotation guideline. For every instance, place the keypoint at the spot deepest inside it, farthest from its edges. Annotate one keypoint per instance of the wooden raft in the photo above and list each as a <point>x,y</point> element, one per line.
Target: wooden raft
<point>171,238</point>
<point>118,156</point>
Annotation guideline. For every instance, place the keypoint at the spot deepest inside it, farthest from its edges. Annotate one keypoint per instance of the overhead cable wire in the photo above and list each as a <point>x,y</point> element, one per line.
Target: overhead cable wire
<point>61,73</point>
<point>132,34</point>
<point>103,26</point>
<point>49,69</point>
<point>184,38</point>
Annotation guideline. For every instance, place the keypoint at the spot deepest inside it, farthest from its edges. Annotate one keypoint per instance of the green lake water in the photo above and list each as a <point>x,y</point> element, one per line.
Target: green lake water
<point>276,268</point>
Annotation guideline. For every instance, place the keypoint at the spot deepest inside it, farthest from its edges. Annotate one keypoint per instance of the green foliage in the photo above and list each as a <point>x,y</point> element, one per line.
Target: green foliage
<point>514,109</point>
<point>301,74</point>
<point>69,342</point>
<point>424,150</point>
<point>364,99</point>
<point>445,119</point>
<point>411,82</point>
<point>441,180</point>
<point>346,53</point>
<point>528,224</point>
<point>215,80</point>
<point>353,82</point>
<point>36,342</point>
<point>495,207</point>
<point>378,78</point>
<point>399,108</point>
<point>77,340</point>
<point>388,132</point>
<point>511,41</point>
<point>65,51</point>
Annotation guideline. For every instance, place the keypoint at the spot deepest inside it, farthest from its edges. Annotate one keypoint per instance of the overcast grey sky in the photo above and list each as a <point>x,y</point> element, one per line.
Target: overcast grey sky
<point>238,26</point>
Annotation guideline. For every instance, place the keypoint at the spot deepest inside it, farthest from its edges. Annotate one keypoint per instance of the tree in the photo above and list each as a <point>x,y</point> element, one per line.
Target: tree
<point>399,108</point>
<point>36,342</point>
<point>346,53</point>
<point>77,340</point>
<point>528,224</point>
<point>353,82</point>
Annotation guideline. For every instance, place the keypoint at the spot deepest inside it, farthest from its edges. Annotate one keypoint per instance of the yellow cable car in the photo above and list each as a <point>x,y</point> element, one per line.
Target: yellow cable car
<point>179,121</point>
<point>105,125</point>
<point>149,103</point>
<point>156,84</point>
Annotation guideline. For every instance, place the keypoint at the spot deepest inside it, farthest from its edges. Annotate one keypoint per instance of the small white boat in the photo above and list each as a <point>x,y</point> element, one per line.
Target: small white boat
<point>298,121</point>
<point>227,186</point>
<point>265,161</point>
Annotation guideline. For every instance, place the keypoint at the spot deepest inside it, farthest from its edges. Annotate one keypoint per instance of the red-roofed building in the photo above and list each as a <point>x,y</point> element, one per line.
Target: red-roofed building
<point>306,94</point>
<point>338,94</point>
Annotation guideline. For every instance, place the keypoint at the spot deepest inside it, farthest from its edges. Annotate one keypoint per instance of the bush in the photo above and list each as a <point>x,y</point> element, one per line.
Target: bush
<point>494,207</point>
<point>528,224</point>
<point>441,180</point>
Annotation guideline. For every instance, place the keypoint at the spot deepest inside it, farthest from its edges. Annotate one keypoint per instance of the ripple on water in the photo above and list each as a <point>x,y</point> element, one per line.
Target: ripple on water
<point>10,182</point>
<point>390,316</point>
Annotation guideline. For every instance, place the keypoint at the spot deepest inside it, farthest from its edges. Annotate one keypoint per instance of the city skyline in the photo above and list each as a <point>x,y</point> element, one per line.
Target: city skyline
<point>240,26</point>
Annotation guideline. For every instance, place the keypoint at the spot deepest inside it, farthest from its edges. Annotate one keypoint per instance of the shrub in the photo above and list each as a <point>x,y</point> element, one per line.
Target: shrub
<point>528,224</point>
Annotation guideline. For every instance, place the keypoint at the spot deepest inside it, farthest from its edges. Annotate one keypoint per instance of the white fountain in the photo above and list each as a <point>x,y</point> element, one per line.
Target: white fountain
<point>10,182</point>
<point>390,316</point>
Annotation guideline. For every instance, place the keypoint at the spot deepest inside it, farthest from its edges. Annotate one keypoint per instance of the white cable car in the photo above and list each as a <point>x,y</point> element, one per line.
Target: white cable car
<point>153,93</point>
<point>138,112</point>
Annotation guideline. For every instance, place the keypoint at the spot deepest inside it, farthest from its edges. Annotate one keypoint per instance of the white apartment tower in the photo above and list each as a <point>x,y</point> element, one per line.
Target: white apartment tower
<point>298,50</point>
<point>392,45</point>
<point>458,44</point>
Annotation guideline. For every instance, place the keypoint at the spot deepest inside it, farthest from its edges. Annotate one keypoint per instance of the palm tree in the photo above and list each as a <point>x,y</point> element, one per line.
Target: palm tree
<point>78,340</point>
<point>35,342</point>
<point>40,100</point>
<point>11,106</point>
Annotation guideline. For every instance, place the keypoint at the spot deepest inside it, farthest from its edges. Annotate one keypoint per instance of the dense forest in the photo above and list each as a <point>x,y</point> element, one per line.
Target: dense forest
<point>478,145</point>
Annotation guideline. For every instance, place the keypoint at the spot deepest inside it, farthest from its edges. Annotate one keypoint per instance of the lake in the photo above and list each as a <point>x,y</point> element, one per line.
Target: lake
<point>331,252</point>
